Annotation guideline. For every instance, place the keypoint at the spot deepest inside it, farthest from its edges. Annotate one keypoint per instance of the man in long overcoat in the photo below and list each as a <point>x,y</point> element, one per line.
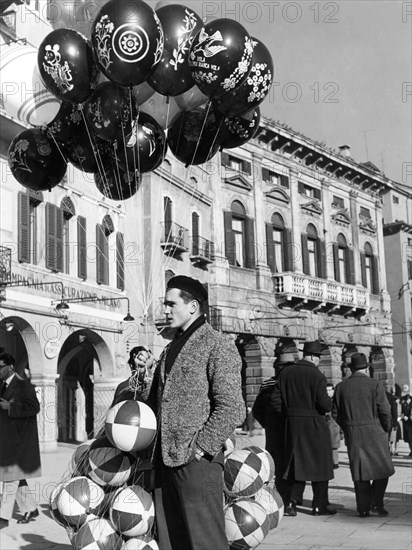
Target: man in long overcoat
<point>307,442</point>
<point>19,442</point>
<point>362,410</point>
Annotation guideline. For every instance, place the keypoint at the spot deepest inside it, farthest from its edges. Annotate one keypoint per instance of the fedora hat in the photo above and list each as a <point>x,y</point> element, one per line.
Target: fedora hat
<point>312,348</point>
<point>358,361</point>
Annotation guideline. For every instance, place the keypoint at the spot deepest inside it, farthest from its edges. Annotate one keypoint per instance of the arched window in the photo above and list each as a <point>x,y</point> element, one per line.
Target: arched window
<point>239,236</point>
<point>369,269</point>
<point>312,250</point>
<point>238,228</point>
<point>69,211</point>
<point>278,245</point>
<point>340,257</point>
<point>313,253</point>
<point>103,232</point>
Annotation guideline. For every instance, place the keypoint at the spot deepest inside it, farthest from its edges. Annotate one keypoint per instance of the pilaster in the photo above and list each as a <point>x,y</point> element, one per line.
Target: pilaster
<point>46,391</point>
<point>296,220</point>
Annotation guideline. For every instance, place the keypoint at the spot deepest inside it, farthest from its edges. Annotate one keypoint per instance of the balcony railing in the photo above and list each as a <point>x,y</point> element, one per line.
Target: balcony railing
<point>318,291</point>
<point>175,238</point>
<point>202,250</point>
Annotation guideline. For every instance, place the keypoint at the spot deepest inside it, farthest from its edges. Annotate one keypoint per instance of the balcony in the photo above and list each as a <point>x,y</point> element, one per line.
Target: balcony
<point>303,292</point>
<point>202,251</point>
<point>175,239</point>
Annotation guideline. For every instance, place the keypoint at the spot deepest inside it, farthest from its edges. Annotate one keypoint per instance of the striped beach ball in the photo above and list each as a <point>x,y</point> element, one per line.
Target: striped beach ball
<point>271,501</point>
<point>130,425</point>
<point>242,473</point>
<point>97,534</point>
<point>54,511</point>
<point>80,459</point>
<point>132,511</point>
<point>268,464</point>
<point>108,465</point>
<point>79,498</point>
<point>140,543</point>
<point>246,524</point>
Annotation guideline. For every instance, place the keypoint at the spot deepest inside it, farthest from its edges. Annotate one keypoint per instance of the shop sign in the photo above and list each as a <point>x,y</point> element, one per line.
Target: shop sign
<point>52,348</point>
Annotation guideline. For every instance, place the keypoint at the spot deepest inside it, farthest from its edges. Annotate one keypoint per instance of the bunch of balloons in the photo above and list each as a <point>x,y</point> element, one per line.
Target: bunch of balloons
<point>133,81</point>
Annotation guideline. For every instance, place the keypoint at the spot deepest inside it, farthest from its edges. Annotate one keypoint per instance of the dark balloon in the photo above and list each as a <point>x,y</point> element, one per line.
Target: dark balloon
<point>240,129</point>
<point>255,88</point>
<point>220,57</point>
<point>67,65</point>
<point>86,154</point>
<point>110,111</point>
<point>35,160</point>
<point>68,123</point>
<point>128,41</point>
<point>194,138</point>
<point>172,75</point>
<point>115,184</point>
<point>145,147</point>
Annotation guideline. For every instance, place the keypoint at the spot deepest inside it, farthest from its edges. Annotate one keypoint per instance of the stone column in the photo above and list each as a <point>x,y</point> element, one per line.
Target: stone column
<point>355,235</point>
<point>326,202</point>
<point>46,391</point>
<point>381,248</point>
<point>296,220</point>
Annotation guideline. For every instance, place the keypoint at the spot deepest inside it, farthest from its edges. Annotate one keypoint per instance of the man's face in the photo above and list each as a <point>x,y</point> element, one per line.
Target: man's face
<point>178,314</point>
<point>330,391</point>
<point>5,371</point>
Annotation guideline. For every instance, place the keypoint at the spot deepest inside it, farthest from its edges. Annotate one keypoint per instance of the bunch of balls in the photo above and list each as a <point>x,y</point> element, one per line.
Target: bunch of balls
<point>103,503</point>
<point>252,506</point>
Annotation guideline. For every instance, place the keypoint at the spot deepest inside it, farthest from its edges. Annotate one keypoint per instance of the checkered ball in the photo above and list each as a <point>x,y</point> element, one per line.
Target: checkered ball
<point>242,473</point>
<point>108,465</point>
<point>130,425</point>
<point>246,524</point>
<point>77,499</point>
<point>268,464</point>
<point>271,501</point>
<point>132,512</point>
<point>97,534</point>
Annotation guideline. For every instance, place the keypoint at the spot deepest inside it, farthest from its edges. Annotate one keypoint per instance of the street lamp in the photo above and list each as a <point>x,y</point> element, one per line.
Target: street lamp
<point>64,303</point>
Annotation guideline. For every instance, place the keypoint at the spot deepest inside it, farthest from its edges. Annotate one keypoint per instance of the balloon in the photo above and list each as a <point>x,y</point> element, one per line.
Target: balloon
<point>35,160</point>
<point>220,57</point>
<point>87,155</point>
<point>114,183</point>
<point>128,41</point>
<point>145,147</point>
<point>255,88</point>
<point>191,99</point>
<point>240,129</point>
<point>110,111</point>
<point>142,92</point>
<point>194,138</point>
<point>67,66</point>
<point>164,110</point>
<point>68,123</point>
<point>25,97</point>
<point>172,75</point>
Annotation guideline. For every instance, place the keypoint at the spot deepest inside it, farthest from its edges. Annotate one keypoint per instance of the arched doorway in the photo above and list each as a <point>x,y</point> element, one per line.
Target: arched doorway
<point>19,338</point>
<point>80,359</point>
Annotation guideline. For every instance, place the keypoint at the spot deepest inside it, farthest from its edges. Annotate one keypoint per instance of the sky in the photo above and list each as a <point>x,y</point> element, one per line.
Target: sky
<point>342,71</point>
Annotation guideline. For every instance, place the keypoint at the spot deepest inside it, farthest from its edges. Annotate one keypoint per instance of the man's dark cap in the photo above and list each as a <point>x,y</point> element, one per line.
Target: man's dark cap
<point>193,286</point>
<point>312,348</point>
<point>358,361</point>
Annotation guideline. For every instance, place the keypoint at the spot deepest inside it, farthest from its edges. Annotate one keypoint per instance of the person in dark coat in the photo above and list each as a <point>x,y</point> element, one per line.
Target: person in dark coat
<point>136,387</point>
<point>19,442</point>
<point>406,408</point>
<point>361,409</point>
<point>307,442</point>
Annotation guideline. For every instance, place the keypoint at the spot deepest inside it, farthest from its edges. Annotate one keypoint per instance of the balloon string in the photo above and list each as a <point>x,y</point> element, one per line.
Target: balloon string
<point>51,134</point>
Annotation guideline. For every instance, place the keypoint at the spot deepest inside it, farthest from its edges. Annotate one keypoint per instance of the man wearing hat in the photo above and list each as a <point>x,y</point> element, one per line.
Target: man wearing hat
<point>362,410</point>
<point>197,396</point>
<point>307,449</point>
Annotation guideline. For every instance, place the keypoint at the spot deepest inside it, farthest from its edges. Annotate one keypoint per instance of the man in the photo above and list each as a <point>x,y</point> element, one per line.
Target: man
<point>19,442</point>
<point>362,410</point>
<point>137,386</point>
<point>196,393</point>
<point>307,444</point>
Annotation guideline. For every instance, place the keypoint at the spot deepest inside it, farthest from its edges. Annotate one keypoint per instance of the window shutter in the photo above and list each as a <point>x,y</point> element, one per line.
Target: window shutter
<point>301,187</point>
<point>317,193</point>
<point>23,227</point>
<point>265,174</point>
<point>195,233</point>
<point>168,218</point>
<point>59,239</point>
<point>363,269</point>
<point>229,238</point>
<point>102,250</point>
<point>305,254</point>
<point>288,251</point>
<point>336,261</point>
<point>321,250</point>
<point>350,266</point>
<point>375,275</point>
<point>225,160</point>
<point>81,248</point>
<point>270,247</point>
<point>120,260</point>
<point>250,243</point>
<point>51,261</point>
<point>246,167</point>
<point>284,181</point>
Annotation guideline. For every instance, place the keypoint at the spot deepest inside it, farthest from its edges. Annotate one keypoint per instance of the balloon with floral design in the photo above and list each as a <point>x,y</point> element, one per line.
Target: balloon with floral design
<point>128,41</point>
<point>220,57</point>
<point>238,130</point>
<point>116,184</point>
<point>35,160</point>
<point>68,123</point>
<point>87,154</point>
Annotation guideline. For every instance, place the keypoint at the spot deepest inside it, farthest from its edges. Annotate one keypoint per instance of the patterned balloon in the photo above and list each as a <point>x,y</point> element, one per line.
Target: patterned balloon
<point>128,41</point>
<point>86,153</point>
<point>97,534</point>
<point>238,130</point>
<point>272,502</point>
<point>116,184</point>
<point>220,57</point>
<point>255,88</point>
<point>67,66</point>
<point>246,524</point>
<point>68,123</point>
<point>172,75</point>
<point>35,160</point>
<point>132,512</point>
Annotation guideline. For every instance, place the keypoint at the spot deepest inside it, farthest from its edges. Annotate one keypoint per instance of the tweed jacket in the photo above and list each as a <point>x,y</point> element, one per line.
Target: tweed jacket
<point>19,442</point>
<point>200,401</point>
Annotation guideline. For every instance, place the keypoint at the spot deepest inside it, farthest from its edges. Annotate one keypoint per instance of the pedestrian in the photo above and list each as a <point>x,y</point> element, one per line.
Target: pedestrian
<point>406,404</point>
<point>307,444</point>
<point>394,417</point>
<point>197,396</point>
<point>334,429</point>
<point>19,442</point>
<point>362,411</point>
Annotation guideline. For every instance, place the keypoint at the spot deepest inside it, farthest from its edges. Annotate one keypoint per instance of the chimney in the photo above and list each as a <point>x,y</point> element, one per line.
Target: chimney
<point>344,150</point>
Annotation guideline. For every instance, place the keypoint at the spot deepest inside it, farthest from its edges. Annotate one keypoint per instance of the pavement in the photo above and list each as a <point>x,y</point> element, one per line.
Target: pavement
<point>344,530</point>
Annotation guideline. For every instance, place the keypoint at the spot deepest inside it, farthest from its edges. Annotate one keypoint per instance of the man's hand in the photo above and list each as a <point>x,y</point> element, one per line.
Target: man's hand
<point>144,362</point>
<point>5,405</point>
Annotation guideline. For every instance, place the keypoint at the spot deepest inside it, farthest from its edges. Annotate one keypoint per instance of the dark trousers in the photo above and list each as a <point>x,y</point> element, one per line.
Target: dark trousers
<point>370,493</point>
<point>189,506</point>
<point>291,489</point>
